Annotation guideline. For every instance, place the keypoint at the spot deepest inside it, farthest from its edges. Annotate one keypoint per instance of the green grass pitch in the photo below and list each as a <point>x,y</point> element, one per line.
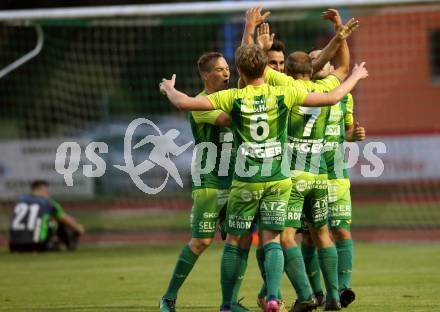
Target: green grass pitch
<point>387,277</point>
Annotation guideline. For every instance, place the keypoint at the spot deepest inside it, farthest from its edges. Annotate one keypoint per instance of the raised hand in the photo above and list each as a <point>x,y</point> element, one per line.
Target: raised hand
<point>264,38</point>
<point>333,16</point>
<point>254,17</point>
<point>167,84</point>
<point>359,71</point>
<point>346,30</point>
<point>359,133</point>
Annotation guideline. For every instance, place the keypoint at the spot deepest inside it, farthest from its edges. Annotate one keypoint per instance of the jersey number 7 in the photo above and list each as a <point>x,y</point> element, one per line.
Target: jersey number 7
<point>313,113</point>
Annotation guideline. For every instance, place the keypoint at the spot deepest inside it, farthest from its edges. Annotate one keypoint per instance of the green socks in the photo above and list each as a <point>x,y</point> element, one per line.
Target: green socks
<point>296,272</point>
<point>328,261</point>
<point>230,271</point>
<point>341,256</point>
<point>184,265</point>
<point>313,270</point>
<point>274,267</point>
<point>345,262</point>
<point>244,253</point>
<point>260,261</point>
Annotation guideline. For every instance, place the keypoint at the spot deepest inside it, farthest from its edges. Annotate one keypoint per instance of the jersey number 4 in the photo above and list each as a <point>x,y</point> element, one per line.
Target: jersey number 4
<point>19,222</point>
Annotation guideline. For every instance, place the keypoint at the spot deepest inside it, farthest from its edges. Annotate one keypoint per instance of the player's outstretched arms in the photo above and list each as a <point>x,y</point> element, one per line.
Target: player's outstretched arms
<point>253,19</point>
<point>333,97</point>
<point>181,100</point>
<point>355,133</point>
<point>330,49</point>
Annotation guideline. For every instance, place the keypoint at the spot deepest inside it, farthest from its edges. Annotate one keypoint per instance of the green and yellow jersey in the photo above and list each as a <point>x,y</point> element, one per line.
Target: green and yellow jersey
<point>259,121</point>
<point>307,125</point>
<point>204,129</point>
<point>341,115</point>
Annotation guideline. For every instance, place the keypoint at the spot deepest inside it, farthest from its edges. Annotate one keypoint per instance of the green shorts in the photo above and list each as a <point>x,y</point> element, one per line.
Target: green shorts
<point>208,206</point>
<point>308,200</point>
<point>339,202</point>
<point>261,202</point>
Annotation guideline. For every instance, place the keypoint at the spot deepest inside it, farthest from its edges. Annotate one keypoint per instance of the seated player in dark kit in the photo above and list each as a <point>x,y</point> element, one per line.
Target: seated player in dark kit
<point>39,223</point>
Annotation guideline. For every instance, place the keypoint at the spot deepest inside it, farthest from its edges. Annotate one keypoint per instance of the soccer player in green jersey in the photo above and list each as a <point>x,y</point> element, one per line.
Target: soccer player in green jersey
<point>275,60</point>
<point>309,173</point>
<point>209,190</point>
<point>340,126</point>
<point>292,253</point>
<point>261,184</point>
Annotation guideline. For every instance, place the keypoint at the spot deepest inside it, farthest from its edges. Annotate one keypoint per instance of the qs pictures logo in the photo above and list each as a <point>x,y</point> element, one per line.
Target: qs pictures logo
<point>163,147</point>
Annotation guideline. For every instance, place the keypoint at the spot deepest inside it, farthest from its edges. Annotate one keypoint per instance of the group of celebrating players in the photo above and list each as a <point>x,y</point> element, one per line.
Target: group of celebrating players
<point>295,113</point>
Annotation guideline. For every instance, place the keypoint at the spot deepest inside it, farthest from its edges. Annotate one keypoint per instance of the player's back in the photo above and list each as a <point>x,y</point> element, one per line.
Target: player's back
<point>306,129</point>
<point>259,122</point>
<point>30,219</point>
<point>307,125</point>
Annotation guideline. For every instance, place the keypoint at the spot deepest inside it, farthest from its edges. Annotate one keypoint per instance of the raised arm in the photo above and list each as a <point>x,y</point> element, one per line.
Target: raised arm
<point>330,49</point>
<point>181,100</point>
<point>342,56</point>
<point>253,19</point>
<point>333,97</point>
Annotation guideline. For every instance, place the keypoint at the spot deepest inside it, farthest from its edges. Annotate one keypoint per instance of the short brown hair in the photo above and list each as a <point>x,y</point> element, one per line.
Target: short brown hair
<point>299,63</point>
<point>278,46</point>
<point>251,60</point>
<point>205,59</point>
<point>38,184</point>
